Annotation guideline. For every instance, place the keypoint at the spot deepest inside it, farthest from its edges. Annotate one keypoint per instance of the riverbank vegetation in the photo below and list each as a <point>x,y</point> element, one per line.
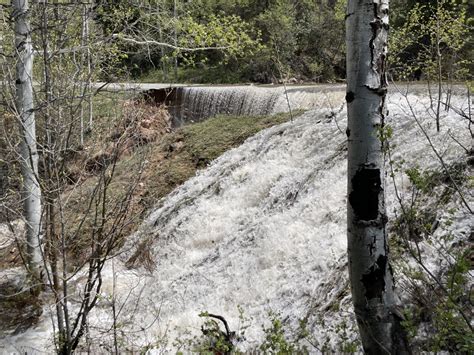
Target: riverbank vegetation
<point>298,41</point>
<point>105,159</point>
<point>140,158</point>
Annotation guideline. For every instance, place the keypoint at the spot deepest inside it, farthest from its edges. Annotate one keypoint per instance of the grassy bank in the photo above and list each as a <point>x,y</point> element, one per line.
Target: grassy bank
<point>145,173</point>
<point>180,154</point>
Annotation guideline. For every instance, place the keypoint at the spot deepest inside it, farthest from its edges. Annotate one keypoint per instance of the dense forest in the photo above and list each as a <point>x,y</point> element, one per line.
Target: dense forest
<point>275,40</point>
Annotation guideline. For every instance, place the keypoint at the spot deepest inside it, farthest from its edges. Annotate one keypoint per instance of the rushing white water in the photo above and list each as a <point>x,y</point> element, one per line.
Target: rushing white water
<point>189,104</point>
<point>262,228</point>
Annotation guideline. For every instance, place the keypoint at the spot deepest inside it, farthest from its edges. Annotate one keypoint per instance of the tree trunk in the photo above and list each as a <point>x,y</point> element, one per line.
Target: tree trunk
<point>31,192</point>
<point>175,38</point>
<point>371,277</point>
<point>439,67</point>
<point>87,14</point>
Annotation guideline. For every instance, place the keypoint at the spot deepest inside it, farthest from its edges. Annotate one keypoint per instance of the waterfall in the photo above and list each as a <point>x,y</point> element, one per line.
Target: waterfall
<point>191,104</point>
<point>262,228</point>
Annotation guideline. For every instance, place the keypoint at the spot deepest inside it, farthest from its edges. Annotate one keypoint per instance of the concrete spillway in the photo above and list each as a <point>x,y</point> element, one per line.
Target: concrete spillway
<point>191,104</point>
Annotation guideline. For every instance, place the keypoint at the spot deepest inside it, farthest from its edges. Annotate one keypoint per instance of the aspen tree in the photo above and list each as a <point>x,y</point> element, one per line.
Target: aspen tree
<point>31,192</point>
<point>371,277</point>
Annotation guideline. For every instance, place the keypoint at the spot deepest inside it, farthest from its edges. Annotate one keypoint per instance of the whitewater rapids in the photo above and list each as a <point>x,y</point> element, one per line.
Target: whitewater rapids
<point>262,228</point>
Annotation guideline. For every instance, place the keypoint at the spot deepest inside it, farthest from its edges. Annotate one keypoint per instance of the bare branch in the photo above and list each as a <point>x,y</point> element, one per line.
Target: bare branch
<point>148,42</point>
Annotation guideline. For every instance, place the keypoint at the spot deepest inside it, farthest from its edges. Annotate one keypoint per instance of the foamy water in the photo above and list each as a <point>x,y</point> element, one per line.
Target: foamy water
<point>262,228</point>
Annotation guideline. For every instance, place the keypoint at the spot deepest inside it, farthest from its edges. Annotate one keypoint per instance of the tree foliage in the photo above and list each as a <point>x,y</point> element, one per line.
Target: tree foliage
<point>261,41</point>
<point>433,30</point>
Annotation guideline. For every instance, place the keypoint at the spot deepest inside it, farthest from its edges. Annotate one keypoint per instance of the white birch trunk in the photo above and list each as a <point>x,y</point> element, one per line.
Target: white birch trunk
<point>83,59</point>
<point>370,273</point>
<point>87,59</point>
<point>31,192</point>
<point>89,70</point>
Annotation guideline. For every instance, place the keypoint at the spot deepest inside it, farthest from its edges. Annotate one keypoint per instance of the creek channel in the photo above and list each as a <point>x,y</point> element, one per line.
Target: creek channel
<point>262,229</point>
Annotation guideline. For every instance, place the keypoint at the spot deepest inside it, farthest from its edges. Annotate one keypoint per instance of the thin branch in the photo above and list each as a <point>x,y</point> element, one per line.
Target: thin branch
<point>222,319</point>
<point>164,44</point>
<point>435,151</point>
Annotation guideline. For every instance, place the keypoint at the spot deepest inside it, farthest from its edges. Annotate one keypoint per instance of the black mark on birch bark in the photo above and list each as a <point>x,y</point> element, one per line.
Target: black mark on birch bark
<point>381,91</point>
<point>348,15</point>
<point>378,46</point>
<point>382,118</point>
<point>350,97</point>
<point>372,245</point>
<point>374,279</point>
<point>364,198</point>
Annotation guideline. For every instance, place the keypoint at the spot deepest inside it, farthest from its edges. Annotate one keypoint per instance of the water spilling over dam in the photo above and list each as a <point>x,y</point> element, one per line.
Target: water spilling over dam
<point>191,104</point>
<point>261,229</point>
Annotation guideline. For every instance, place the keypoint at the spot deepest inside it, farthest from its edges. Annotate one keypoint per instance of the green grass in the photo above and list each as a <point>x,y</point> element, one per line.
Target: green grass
<point>207,75</point>
<point>207,140</point>
<point>199,144</point>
